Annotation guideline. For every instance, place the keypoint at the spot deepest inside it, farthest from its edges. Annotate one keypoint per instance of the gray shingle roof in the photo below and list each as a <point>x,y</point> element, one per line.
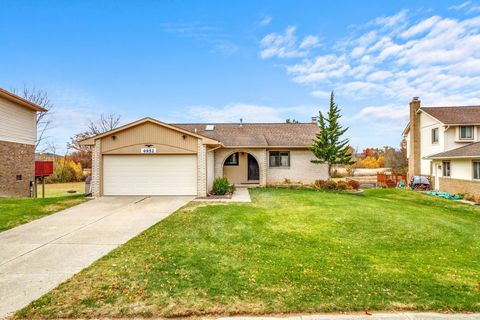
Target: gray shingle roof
<point>469,151</point>
<point>257,134</point>
<point>455,115</point>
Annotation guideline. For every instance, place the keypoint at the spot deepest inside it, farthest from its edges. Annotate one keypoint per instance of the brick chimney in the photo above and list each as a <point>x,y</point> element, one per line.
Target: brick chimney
<point>414,147</point>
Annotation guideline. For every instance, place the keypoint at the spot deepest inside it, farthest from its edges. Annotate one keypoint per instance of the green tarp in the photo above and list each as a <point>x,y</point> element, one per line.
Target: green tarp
<point>444,195</point>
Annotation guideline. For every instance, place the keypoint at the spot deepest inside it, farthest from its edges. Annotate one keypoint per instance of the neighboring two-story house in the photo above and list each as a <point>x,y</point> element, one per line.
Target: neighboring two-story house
<point>18,134</point>
<point>443,142</point>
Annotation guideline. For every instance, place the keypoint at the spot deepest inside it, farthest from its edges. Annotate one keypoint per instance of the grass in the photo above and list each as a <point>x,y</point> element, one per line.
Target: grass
<point>17,211</point>
<point>291,251</point>
<point>61,189</point>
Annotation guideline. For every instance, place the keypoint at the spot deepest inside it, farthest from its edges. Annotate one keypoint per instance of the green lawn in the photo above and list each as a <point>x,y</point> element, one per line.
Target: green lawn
<point>292,251</point>
<point>17,211</point>
<point>61,189</point>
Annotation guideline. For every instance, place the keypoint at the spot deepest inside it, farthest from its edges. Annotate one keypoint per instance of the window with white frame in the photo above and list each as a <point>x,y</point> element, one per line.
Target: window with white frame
<point>279,159</point>
<point>466,132</point>
<point>476,169</point>
<point>446,168</point>
<point>435,135</point>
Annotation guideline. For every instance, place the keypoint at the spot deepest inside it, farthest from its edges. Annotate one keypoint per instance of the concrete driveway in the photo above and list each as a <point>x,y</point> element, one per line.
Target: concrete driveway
<point>38,256</point>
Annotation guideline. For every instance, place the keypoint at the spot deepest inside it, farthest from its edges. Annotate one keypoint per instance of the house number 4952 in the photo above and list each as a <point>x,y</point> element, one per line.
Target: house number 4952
<point>149,150</point>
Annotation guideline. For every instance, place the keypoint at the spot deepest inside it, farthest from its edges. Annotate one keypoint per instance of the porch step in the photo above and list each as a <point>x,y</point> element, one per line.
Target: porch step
<point>247,185</point>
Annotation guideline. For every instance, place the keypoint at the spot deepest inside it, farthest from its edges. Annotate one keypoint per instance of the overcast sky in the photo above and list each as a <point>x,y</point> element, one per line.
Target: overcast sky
<point>218,61</point>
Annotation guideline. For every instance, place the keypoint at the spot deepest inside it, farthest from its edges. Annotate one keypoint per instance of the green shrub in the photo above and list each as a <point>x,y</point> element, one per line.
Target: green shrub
<point>220,186</point>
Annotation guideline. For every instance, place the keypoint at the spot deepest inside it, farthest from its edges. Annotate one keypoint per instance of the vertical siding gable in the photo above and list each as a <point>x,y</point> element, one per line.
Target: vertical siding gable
<point>149,133</point>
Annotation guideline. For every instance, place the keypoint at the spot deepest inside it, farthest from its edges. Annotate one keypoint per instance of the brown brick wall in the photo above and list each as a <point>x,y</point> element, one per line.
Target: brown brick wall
<point>16,159</point>
<point>450,185</point>
<point>414,156</point>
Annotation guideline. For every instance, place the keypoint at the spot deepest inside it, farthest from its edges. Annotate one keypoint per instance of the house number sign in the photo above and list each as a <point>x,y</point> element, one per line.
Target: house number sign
<point>148,150</point>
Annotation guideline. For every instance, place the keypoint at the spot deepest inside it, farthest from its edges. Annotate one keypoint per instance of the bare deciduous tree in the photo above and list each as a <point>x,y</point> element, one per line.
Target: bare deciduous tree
<point>103,124</point>
<point>44,119</point>
<point>82,153</point>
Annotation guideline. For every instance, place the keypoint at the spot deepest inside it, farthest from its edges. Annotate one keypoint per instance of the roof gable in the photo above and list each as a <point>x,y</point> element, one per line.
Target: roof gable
<point>20,101</point>
<point>461,115</point>
<point>91,140</point>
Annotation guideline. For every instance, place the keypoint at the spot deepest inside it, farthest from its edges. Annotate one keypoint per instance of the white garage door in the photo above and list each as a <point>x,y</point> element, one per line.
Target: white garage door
<point>150,175</point>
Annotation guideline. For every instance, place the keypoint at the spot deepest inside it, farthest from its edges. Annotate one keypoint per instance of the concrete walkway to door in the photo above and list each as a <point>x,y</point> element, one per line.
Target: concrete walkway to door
<point>37,256</point>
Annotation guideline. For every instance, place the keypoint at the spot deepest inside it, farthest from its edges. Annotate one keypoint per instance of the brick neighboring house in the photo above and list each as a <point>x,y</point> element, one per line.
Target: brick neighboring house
<point>18,134</point>
<point>443,143</point>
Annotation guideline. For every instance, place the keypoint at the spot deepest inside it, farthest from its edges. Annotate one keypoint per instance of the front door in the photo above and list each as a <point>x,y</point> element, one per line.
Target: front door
<point>253,170</point>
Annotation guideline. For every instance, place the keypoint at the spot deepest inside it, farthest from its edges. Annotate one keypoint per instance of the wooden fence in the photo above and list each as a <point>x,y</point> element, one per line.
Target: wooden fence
<point>391,180</point>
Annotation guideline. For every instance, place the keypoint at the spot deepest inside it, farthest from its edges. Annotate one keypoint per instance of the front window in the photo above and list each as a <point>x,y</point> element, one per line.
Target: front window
<point>279,159</point>
<point>435,135</point>
<point>232,160</point>
<point>446,168</point>
<point>476,169</point>
<point>466,132</point>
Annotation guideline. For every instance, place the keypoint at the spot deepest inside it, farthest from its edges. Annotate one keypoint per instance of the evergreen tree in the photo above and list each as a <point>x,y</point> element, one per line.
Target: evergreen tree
<point>327,146</point>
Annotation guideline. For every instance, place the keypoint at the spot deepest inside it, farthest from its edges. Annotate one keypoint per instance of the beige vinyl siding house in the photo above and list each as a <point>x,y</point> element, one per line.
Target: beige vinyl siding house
<point>458,170</point>
<point>443,143</point>
<point>18,123</point>
<point>17,144</point>
<point>149,157</point>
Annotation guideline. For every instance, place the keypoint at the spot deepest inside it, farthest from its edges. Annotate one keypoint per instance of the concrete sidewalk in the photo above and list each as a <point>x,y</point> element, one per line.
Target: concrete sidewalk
<point>241,194</point>
<point>373,316</point>
<point>38,256</point>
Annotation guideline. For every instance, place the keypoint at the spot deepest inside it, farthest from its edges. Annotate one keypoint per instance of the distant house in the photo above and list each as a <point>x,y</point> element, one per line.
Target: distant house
<point>17,144</point>
<point>150,157</point>
<point>443,142</point>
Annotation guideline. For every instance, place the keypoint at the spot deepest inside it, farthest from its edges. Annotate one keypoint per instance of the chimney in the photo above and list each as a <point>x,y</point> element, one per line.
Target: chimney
<point>241,122</point>
<point>414,159</point>
<point>314,119</point>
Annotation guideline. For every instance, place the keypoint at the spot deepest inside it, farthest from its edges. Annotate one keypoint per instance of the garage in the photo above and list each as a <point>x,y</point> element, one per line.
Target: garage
<point>150,175</point>
<point>149,158</point>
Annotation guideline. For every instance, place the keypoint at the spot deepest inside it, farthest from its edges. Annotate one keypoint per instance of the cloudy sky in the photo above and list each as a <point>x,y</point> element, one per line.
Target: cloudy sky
<point>219,61</point>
